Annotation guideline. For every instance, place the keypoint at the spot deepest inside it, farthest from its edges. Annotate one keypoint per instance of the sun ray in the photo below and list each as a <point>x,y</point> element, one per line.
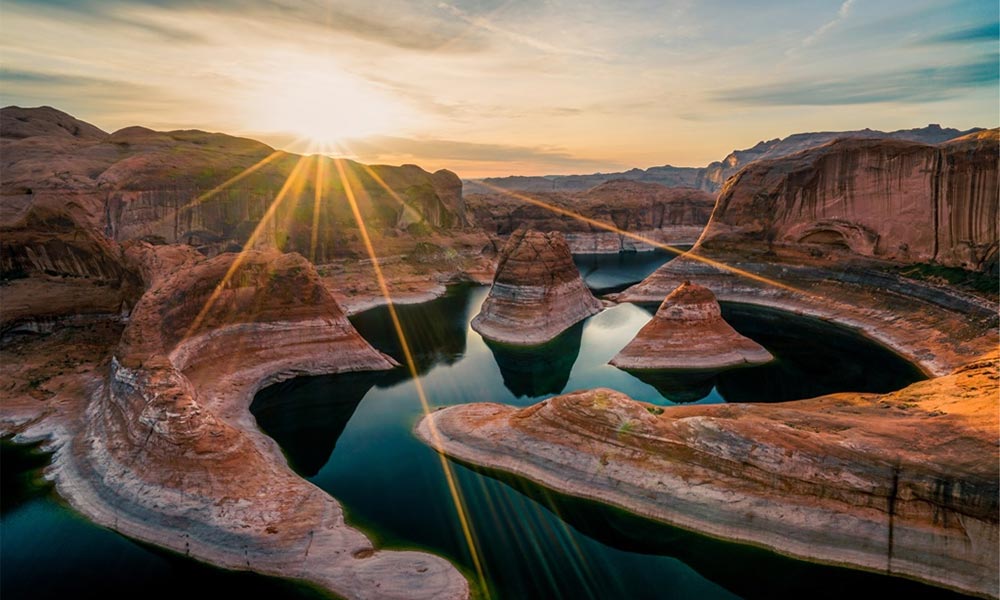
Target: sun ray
<point>318,183</point>
<point>411,365</point>
<point>234,179</point>
<point>640,238</point>
<point>247,247</point>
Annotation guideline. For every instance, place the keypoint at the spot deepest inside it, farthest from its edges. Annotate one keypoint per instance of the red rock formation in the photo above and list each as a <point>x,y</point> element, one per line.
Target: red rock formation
<point>688,332</point>
<point>52,269</point>
<point>904,483</point>
<point>139,183</point>
<point>662,214</point>
<point>537,292</point>
<point>895,200</point>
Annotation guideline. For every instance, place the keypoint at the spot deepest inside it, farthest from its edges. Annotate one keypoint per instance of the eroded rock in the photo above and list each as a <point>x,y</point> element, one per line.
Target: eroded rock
<point>537,292</point>
<point>688,332</point>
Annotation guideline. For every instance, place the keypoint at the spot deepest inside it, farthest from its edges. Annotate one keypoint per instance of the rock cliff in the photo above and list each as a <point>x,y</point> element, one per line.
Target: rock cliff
<point>902,483</point>
<point>210,190</point>
<point>537,292</point>
<point>894,200</point>
<point>662,214</point>
<point>711,177</point>
<point>688,332</point>
<point>156,440</point>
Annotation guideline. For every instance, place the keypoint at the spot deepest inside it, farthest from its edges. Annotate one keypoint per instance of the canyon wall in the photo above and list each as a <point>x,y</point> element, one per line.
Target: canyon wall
<point>649,210</point>
<point>211,190</point>
<point>893,200</point>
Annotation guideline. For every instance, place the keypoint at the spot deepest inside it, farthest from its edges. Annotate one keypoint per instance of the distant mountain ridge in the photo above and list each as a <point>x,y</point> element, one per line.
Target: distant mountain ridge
<point>711,177</point>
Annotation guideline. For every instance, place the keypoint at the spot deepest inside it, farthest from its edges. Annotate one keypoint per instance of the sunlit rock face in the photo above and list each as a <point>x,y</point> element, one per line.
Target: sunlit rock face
<point>688,332</point>
<point>903,483</point>
<point>211,190</point>
<point>894,200</point>
<point>537,292</point>
<point>611,211</point>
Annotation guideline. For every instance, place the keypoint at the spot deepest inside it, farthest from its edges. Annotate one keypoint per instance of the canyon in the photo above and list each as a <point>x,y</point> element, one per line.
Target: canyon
<point>154,282</point>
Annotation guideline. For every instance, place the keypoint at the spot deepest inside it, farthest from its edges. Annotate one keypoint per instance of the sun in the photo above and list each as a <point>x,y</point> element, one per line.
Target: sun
<point>324,105</point>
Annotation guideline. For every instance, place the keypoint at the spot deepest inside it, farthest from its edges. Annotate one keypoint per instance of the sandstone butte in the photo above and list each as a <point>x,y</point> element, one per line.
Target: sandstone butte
<point>153,437</point>
<point>537,292</point>
<point>834,232</point>
<point>688,332</point>
<point>904,483</point>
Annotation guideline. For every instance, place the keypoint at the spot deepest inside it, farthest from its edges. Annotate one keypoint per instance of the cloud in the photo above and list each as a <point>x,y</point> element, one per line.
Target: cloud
<point>919,85</point>
<point>978,33</point>
<point>372,149</point>
<point>842,13</point>
<point>392,26</point>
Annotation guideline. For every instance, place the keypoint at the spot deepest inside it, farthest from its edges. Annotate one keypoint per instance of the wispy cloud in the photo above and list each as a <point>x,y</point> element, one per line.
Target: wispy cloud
<point>978,33</point>
<point>911,85</point>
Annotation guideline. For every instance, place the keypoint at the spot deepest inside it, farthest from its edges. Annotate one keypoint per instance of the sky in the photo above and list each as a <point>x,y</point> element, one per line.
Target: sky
<point>489,87</point>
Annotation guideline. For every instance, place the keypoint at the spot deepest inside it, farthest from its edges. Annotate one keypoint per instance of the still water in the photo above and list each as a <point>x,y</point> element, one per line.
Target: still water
<point>351,435</point>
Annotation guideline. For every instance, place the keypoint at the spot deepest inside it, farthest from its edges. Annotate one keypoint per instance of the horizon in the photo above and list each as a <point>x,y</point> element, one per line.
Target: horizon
<point>494,89</point>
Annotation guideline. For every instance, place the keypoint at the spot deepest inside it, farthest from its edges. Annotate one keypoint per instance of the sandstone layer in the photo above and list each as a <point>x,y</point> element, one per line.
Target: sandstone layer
<point>688,332</point>
<point>904,483</point>
<point>211,190</point>
<point>894,200</point>
<point>674,216</point>
<point>537,292</point>
<point>153,437</point>
<point>711,177</point>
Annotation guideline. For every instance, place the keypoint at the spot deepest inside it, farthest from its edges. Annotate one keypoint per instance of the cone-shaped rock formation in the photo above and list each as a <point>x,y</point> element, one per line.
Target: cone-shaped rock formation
<point>688,332</point>
<point>537,292</point>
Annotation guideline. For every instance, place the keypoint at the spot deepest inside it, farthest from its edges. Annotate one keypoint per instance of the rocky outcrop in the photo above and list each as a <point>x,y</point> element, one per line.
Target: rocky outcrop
<point>211,190</point>
<point>688,332</point>
<point>904,483</point>
<point>51,269</point>
<point>167,451</point>
<point>894,200</point>
<point>711,177</point>
<point>537,292</point>
<point>652,211</point>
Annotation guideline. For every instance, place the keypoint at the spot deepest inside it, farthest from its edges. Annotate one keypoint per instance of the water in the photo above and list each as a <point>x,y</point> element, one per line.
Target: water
<point>607,273</point>
<point>351,434</point>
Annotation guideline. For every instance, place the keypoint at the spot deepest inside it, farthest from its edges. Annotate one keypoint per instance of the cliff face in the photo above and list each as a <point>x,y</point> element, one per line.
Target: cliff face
<point>537,292</point>
<point>711,177</point>
<point>667,215</point>
<point>210,190</point>
<point>900,201</point>
<point>902,483</point>
<point>51,269</point>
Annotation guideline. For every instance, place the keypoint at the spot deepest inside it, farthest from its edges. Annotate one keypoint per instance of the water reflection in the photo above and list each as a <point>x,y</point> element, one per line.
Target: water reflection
<point>681,387</point>
<point>538,370</point>
<point>306,415</point>
<point>609,273</point>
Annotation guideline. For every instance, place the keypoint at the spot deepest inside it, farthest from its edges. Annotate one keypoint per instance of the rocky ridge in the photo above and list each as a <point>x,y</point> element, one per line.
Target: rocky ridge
<point>902,483</point>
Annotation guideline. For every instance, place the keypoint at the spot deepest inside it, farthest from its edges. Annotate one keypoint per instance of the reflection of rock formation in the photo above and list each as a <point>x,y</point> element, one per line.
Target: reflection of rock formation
<point>858,480</point>
<point>538,370</point>
<point>306,415</point>
<point>688,332</point>
<point>678,386</point>
<point>434,330</point>
<point>745,571</point>
<point>663,214</point>
<point>901,201</point>
<point>537,292</point>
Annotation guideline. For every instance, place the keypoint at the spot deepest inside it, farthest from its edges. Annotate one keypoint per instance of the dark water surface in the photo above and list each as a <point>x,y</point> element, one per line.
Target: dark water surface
<point>352,436</point>
<point>534,543</point>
